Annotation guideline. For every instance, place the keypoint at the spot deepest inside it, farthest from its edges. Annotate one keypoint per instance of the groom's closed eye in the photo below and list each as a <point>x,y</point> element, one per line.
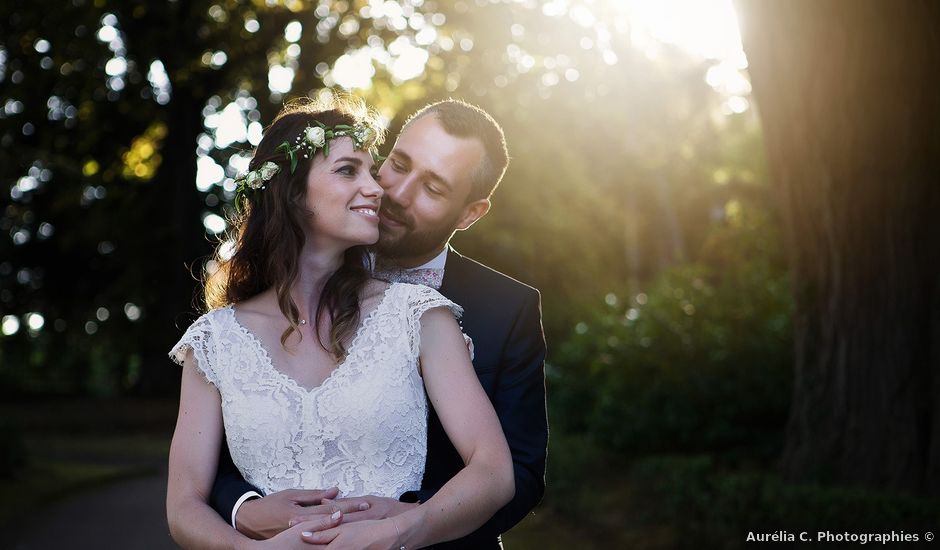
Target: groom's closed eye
<point>400,162</point>
<point>437,185</point>
<point>433,189</point>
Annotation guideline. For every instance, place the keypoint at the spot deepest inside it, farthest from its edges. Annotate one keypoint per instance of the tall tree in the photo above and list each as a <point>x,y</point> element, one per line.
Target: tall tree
<point>851,131</point>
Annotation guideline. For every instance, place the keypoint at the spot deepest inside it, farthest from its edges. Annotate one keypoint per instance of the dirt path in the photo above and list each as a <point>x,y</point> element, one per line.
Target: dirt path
<point>128,515</point>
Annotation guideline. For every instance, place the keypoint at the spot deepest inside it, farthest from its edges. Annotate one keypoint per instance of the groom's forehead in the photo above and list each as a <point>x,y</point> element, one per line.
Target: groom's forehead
<point>429,130</point>
<point>419,129</point>
<point>427,141</point>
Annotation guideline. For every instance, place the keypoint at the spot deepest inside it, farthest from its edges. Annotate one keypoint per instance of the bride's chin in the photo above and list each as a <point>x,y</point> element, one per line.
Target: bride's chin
<point>369,241</point>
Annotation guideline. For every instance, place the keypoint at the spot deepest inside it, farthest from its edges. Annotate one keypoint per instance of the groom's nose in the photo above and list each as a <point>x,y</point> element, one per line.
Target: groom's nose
<point>402,192</point>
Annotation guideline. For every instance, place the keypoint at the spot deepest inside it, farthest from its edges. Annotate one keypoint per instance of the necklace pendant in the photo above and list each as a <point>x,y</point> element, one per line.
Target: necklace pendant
<point>303,322</point>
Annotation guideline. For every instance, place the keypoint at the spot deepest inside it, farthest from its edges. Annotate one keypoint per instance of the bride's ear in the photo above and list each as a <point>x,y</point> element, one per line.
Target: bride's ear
<point>473,212</point>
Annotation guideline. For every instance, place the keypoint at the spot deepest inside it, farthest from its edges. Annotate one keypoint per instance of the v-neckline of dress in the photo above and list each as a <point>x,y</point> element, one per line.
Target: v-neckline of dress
<point>290,381</point>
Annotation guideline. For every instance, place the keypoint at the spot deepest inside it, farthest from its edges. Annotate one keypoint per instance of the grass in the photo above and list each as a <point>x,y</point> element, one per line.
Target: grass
<point>44,482</point>
<point>100,448</point>
<point>598,500</point>
<point>591,502</point>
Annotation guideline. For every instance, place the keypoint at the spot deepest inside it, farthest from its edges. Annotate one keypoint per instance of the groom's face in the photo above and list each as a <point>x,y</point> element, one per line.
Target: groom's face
<point>427,181</point>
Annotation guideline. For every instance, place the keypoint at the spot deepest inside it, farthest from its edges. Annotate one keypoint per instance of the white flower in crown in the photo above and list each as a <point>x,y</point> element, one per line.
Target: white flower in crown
<point>363,135</point>
<point>253,179</point>
<point>268,170</point>
<point>315,136</point>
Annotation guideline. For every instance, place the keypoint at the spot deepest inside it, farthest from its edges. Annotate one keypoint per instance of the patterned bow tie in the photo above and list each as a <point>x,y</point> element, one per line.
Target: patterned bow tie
<point>425,276</point>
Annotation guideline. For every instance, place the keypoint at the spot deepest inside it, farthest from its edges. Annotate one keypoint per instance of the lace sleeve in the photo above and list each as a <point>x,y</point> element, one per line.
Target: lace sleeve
<point>198,338</point>
<point>421,300</point>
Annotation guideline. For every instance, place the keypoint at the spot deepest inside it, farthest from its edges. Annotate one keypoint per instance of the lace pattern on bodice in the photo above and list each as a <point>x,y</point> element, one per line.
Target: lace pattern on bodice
<point>363,429</point>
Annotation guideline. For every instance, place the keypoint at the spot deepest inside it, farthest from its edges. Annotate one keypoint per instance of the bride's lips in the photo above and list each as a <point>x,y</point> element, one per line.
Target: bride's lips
<point>367,211</point>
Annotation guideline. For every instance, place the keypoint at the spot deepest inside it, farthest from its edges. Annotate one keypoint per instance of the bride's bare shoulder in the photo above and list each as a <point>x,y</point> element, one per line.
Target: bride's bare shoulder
<point>261,307</point>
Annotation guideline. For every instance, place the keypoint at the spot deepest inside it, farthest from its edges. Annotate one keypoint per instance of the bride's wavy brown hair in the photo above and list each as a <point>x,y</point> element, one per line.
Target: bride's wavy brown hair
<point>268,233</point>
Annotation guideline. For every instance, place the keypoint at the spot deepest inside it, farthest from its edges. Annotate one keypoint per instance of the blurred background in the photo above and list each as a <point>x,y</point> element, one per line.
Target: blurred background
<point>735,240</point>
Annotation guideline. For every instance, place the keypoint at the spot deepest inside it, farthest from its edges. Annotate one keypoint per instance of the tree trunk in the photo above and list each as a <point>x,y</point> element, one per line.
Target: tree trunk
<point>851,130</point>
<point>175,199</point>
<point>175,203</point>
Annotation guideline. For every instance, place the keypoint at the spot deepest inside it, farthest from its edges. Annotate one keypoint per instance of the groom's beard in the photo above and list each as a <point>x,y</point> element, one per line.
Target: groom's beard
<point>407,241</point>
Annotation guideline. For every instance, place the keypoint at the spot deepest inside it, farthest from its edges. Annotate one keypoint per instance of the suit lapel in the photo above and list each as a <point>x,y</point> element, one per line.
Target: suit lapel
<point>453,271</point>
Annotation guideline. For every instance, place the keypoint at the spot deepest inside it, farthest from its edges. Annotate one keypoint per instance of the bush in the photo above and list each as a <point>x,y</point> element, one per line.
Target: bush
<point>714,508</point>
<point>699,361</point>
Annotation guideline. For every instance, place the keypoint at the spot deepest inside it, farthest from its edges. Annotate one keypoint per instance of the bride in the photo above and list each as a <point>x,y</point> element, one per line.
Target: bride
<point>315,374</point>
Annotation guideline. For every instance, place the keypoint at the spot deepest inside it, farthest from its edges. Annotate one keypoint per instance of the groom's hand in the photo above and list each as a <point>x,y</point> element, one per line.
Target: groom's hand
<point>265,517</point>
<point>379,508</point>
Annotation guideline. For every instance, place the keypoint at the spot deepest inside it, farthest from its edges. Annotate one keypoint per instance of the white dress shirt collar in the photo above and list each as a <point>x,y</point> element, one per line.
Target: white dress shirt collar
<point>437,262</point>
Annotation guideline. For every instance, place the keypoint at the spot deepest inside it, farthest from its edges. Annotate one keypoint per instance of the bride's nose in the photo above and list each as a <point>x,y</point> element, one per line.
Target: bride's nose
<point>371,188</point>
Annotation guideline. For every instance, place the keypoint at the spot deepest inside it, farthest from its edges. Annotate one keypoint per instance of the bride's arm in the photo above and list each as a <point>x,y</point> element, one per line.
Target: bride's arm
<point>485,484</point>
<point>476,492</point>
<point>194,454</point>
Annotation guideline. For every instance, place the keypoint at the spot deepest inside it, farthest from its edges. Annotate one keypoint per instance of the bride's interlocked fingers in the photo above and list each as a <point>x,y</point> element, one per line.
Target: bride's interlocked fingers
<point>354,506</point>
<point>377,507</point>
<point>264,518</point>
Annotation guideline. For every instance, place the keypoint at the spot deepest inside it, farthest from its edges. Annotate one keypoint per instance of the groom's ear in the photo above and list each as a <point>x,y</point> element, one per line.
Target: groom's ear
<point>473,212</point>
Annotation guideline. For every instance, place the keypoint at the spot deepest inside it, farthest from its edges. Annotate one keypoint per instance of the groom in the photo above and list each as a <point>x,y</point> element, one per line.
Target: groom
<point>438,178</point>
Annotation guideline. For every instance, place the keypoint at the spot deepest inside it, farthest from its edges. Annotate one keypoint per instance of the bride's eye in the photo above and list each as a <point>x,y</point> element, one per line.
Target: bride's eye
<point>347,170</point>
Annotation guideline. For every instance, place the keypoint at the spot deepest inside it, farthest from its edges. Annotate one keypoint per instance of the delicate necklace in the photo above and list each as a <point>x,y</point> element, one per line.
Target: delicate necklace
<point>303,322</point>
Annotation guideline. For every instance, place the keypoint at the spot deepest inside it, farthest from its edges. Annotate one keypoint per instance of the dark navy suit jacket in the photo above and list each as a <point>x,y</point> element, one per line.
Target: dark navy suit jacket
<point>503,317</point>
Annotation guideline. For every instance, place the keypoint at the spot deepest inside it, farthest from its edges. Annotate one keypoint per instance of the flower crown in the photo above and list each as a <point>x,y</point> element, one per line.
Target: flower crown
<point>307,144</point>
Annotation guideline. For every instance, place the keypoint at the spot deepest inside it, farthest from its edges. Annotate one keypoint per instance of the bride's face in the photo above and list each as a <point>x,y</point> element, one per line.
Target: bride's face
<point>343,195</point>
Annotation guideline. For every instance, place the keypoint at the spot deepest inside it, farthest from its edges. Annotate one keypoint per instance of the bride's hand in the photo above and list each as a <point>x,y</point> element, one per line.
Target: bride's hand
<point>360,535</point>
<point>265,517</point>
<point>292,539</point>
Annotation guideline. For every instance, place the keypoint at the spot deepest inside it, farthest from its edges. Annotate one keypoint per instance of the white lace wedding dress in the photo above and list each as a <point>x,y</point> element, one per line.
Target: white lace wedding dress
<point>364,429</point>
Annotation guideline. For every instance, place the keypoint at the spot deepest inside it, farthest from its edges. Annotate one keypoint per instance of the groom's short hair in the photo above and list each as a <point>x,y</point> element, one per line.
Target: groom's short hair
<point>464,120</point>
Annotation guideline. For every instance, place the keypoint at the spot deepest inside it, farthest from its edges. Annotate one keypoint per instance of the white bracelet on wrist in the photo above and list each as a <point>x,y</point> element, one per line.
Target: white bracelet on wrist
<point>398,539</point>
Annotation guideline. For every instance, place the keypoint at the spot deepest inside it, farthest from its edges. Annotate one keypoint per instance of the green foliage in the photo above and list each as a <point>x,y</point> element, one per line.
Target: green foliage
<point>700,360</point>
<point>589,499</point>
<point>713,507</point>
